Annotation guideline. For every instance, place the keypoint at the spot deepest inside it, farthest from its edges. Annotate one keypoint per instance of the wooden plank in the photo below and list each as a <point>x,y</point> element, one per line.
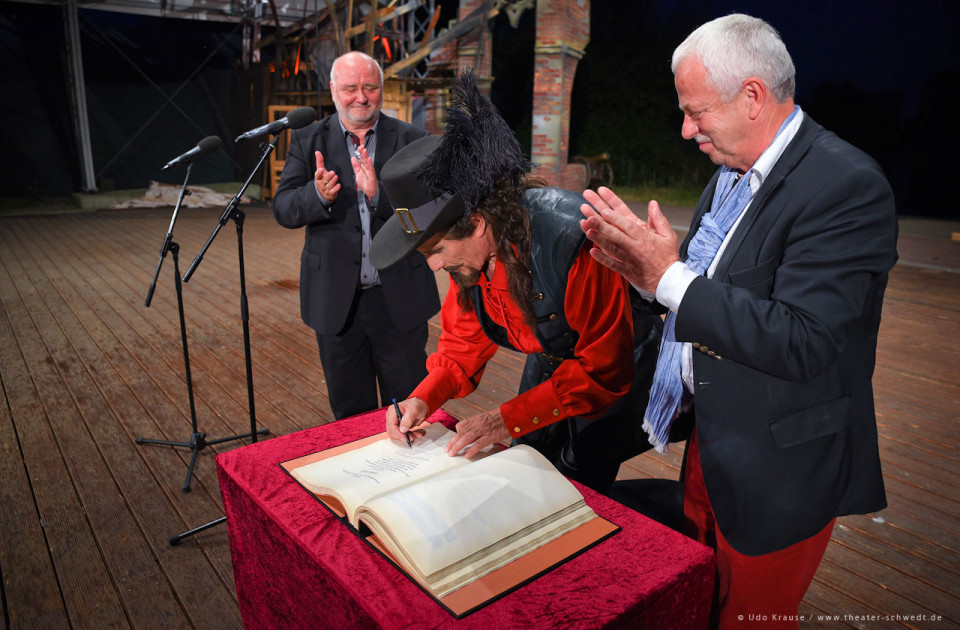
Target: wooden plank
<point>654,466</point>
<point>31,592</point>
<point>203,506</point>
<point>830,607</point>
<point>213,327</point>
<point>898,532</point>
<point>930,586</point>
<point>899,495</point>
<point>932,523</point>
<point>224,391</point>
<point>103,289</point>
<point>92,352</point>
<point>941,484</point>
<point>929,458</point>
<point>865,578</point>
<point>916,407</point>
<point>170,380</point>
<point>138,554</point>
<point>89,595</point>
<point>915,285</point>
<point>108,466</point>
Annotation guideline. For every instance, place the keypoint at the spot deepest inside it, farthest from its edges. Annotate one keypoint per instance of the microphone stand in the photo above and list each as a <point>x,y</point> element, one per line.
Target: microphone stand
<point>197,439</point>
<point>233,212</point>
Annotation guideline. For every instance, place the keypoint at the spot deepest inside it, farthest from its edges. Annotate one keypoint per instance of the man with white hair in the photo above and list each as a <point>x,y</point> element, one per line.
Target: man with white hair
<point>773,306</point>
<point>371,326</point>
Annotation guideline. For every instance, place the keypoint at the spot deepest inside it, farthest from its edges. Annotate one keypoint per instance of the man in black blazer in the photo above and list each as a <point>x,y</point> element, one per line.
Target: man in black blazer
<point>776,335</point>
<point>371,326</point>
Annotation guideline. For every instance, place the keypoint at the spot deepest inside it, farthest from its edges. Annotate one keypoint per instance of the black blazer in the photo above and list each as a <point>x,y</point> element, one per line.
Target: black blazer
<point>330,262</point>
<point>787,334</point>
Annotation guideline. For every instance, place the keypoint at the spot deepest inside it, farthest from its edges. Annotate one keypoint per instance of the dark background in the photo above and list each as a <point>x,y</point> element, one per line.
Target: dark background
<point>884,75</point>
<point>132,64</point>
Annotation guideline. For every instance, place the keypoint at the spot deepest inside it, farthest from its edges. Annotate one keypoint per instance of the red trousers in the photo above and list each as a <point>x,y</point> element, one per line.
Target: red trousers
<point>752,591</point>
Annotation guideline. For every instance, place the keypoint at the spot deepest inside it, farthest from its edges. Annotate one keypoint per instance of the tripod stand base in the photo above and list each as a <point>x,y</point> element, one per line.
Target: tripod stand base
<point>198,441</point>
<point>176,538</point>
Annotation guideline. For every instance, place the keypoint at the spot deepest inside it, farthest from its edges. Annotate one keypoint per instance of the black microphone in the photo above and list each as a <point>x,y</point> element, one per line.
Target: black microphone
<point>300,117</point>
<point>205,146</point>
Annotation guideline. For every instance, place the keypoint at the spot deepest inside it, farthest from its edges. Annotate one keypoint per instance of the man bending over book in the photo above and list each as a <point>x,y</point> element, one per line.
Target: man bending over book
<point>521,279</point>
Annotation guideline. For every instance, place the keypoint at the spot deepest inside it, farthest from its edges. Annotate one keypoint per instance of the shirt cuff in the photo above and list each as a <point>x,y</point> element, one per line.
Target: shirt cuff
<point>323,201</point>
<point>673,285</point>
<point>532,410</point>
<point>649,297</point>
<point>437,388</point>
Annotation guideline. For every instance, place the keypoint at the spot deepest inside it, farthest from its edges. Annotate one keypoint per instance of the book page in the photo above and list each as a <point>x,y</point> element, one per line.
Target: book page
<point>453,515</point>
<point>359,475</point>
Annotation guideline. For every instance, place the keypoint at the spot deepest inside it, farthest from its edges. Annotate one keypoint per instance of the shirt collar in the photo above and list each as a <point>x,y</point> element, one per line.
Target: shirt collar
<point>372,130</point>
<point>768,159</point>
<point>499,280</point>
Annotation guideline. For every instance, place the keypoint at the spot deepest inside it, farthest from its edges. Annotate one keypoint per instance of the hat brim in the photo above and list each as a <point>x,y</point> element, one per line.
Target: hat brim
<point>409,228</point>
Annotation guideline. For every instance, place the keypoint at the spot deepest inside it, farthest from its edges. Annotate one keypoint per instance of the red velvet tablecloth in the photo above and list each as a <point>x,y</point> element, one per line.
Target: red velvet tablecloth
<point>297,566</point>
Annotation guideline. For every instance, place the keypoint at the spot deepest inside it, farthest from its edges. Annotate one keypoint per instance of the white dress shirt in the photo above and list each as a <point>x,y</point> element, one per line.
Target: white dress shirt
<point>675,281</point>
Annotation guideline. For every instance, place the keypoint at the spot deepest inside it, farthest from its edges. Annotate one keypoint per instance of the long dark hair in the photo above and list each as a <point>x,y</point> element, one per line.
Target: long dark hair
<point>507,218</point>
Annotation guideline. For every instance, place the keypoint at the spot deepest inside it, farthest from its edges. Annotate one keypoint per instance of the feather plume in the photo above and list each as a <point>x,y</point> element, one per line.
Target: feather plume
<point>477,150</point>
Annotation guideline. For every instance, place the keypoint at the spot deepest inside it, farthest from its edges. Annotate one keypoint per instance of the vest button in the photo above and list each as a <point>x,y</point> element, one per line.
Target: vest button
<point>516,429</point>
<point>536,420</point>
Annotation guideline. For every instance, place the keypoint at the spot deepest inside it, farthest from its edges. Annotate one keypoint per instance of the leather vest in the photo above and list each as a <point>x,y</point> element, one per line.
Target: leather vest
<point>581,448</point>
<point>555,242</point>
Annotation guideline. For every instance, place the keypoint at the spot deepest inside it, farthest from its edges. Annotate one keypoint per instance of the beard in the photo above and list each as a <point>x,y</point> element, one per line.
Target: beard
<point>465,277</point>
<point>349,114</point>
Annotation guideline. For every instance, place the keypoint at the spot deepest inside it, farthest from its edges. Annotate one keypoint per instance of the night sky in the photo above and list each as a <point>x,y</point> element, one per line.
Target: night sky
<point>881,74</point>
<point>880,45</point>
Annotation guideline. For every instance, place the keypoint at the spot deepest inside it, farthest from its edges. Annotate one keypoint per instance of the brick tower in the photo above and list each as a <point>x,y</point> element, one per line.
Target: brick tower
<point>563,30</point>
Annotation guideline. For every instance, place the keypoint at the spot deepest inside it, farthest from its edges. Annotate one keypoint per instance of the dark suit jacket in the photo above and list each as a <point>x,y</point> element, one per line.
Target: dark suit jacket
<point>330,262</point>
<point>784,410</point>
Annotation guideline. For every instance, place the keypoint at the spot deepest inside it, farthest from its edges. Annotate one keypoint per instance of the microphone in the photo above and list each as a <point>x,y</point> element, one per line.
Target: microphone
<point>300,117</point>
<point>205,146</point>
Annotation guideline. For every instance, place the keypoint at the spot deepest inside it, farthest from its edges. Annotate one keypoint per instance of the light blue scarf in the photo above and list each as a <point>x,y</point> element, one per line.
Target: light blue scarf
<point>729,199</point>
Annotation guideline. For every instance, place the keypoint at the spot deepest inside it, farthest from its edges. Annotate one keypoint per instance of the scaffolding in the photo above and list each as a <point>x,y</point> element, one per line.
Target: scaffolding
<point>417,52</point>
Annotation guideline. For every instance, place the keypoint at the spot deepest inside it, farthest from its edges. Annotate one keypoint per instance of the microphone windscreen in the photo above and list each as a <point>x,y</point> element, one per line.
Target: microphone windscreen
<point>209,144</point>
<point>301,117</point>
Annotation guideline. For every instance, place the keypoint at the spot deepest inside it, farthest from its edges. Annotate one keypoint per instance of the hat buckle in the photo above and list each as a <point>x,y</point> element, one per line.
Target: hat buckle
<point>404,216</point>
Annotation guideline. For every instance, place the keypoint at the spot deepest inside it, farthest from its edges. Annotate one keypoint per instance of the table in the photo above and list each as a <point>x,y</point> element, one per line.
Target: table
<point>297,566</point>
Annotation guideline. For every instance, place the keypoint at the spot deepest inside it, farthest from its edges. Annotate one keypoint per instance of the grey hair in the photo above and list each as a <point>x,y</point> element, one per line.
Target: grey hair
<point>735,47</point>
<point>355,53</point>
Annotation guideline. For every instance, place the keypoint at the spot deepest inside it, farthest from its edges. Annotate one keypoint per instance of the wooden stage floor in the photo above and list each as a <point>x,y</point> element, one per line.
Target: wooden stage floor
<point>85,369</point>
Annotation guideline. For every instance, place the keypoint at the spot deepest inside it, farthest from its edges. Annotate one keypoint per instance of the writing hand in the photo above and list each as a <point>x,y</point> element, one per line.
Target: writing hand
<point>639,251</point>
<point>482,429</point>
<point>327,182</point>
<point>414,412</point>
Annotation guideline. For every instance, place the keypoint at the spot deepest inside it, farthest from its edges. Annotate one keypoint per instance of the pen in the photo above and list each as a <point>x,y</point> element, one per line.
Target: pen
<point>396,408</point>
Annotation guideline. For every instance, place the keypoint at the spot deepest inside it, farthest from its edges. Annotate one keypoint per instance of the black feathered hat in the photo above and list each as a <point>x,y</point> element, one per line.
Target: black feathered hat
<point>434,181</point>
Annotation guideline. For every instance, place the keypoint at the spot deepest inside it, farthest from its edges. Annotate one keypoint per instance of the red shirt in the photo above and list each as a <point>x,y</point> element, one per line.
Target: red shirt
<point>596,305</point>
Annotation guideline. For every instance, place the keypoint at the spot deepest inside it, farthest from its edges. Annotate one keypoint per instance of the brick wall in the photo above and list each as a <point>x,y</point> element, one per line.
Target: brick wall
<point>469,47</point>
<point>563,30</point>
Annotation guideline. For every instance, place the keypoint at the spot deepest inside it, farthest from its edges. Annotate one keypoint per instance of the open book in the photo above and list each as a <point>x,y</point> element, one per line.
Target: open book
<point>448,521</point>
